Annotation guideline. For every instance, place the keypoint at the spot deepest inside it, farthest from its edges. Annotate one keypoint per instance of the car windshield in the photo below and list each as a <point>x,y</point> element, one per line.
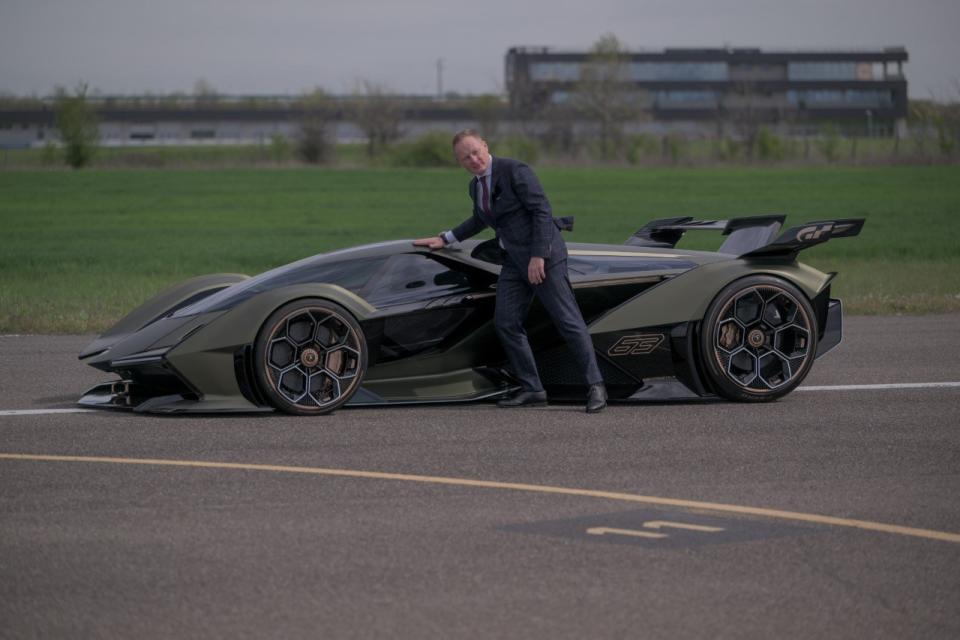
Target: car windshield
<point>381,280</point>
<point>412,277</point>
<point>349,274</point>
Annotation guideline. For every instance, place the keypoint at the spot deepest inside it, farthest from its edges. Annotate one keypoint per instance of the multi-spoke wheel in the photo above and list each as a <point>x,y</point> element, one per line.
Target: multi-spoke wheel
<point>759,339</point>
<point>310,357</point>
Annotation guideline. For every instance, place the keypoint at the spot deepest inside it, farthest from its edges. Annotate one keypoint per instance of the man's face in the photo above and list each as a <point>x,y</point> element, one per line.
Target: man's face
<point>473,155</point>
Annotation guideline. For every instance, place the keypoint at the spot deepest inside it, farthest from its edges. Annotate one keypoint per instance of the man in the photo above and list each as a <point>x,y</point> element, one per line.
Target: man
<point>508,197</point>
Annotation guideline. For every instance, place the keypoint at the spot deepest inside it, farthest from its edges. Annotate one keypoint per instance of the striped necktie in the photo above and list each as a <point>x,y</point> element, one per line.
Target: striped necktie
<point>485,196</point>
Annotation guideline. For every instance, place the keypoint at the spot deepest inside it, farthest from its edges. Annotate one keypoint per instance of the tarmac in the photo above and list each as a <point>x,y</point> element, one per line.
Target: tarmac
<point>834,512</point>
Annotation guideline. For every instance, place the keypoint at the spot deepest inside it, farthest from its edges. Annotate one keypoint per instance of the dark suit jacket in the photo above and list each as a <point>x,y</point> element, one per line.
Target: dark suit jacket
<point>521,215</point>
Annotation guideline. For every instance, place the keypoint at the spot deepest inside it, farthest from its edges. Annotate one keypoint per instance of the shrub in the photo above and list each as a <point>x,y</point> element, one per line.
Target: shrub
<point>521,148</point>
<point>431,149</point>
<point>674,147</point>
<point>641,147</point>
<point>769,145</point>
<point>829,143</point>
<point>314,144</point>
<point>728,149</point>
<point>49,156</point>
<point>279,148</point>
<point>947,134</point>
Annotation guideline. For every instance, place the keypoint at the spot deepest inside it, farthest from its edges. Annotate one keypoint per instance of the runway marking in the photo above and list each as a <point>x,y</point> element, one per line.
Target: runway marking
<point>867,525</point>
<point>663,524</point>
<point>653,524</point>
<point>633,533</point>
<point>39,412</point>
<point>871,387</point>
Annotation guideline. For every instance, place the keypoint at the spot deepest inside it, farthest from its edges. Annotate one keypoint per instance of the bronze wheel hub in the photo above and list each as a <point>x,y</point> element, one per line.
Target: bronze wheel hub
<point>756,338</point>
<point>309,357</point>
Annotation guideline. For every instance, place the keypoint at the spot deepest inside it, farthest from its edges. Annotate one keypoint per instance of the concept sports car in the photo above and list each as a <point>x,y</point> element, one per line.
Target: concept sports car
<point>390,323</point>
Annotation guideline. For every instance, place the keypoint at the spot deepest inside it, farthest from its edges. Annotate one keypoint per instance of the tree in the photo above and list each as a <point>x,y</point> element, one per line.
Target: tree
<point>378,113</point>
<point>204,92</point>
<point>526,107</point>
<point>559,134</point>
<point>605,93</point>
<point>314,144</point>
<point>747,115</point>
<point>488,110</point>
<point>76,121</point>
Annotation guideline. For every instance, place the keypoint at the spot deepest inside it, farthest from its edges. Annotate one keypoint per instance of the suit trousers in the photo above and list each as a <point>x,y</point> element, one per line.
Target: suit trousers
<point>514,295</point>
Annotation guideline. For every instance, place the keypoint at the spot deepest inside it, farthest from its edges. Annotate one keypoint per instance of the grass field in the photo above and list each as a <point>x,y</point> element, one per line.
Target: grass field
<point>79,249</point>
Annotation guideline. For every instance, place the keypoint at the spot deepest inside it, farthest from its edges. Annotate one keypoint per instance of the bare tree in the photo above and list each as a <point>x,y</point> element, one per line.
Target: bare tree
<point>204,92</point>
<point>605,93</point>
<point>489,110</point>
<point>559,135</point>
<point>947,122</point>
<point>379,114</point>
<point>526,106</point>
<point>747,116</point>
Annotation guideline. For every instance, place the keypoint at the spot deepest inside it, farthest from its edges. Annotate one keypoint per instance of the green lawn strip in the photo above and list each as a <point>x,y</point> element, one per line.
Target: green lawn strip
<point>648,150</point>
<point>79,249</point>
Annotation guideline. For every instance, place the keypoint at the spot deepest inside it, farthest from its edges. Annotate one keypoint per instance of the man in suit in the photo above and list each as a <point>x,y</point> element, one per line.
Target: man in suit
<point>508,197</point>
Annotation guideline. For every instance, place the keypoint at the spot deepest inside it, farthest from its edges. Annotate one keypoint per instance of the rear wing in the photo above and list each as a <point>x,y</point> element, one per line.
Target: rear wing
<point>749,237</point>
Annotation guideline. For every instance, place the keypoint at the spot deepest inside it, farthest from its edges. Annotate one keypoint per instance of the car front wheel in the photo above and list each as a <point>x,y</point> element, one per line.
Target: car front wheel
<point>310,357</point>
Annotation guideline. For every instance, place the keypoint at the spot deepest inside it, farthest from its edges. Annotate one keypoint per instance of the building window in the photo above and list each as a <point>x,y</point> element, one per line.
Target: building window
<point>839,98</point>
<point>554,71</point>
<point>822,71</point>
<point>867,98</point>
<point>686,100</point>
<point>678,71</point>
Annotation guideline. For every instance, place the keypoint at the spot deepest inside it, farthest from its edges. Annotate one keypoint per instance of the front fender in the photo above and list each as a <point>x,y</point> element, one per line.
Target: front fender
<point>160,305</point>
<point>207,357</point>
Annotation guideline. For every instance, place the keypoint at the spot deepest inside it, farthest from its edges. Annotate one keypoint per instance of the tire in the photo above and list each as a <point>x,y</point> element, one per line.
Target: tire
<point>759,339</point>
<point>310,357</point>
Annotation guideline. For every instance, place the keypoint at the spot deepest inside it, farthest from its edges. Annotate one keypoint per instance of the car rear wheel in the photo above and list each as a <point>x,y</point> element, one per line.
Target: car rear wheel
<point>759,339</point>
<point>310,357</point>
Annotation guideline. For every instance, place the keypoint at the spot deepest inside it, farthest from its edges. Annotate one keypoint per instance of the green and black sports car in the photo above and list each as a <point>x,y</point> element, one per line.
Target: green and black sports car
<point>390,323</point>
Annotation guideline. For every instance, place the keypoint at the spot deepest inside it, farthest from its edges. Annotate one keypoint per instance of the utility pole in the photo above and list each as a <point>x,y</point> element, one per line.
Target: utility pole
<point>439,78</point>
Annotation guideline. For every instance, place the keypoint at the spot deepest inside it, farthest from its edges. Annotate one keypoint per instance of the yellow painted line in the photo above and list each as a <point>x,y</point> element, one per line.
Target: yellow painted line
<point>633,533</point>
<point>942,536</point>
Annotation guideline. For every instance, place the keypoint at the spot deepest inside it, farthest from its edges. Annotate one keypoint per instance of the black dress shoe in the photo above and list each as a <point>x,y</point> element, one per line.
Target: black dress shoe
<point>525,399</point>
<point>596,398</point>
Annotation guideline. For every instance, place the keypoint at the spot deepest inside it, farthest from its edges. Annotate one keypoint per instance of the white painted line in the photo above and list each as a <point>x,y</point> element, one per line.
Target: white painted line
<point>663,524</point>
<point>40,412</point>
<point>837,387</point>
<point>633,533</point>
<point>871,387</point>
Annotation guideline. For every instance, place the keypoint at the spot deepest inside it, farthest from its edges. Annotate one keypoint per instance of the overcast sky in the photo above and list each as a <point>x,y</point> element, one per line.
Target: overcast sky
<point>288,46</point>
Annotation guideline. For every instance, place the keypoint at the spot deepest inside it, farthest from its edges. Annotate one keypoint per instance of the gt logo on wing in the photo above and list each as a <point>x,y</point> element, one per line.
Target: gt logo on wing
<point>808,234</point>
<point>638,345</point>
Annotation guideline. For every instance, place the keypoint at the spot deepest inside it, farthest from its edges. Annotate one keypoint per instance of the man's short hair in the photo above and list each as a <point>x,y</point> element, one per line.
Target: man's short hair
<point>465,133</point>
